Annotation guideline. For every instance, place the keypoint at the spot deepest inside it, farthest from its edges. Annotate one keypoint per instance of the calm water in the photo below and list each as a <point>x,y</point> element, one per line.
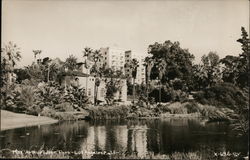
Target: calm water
<point>158,136</point>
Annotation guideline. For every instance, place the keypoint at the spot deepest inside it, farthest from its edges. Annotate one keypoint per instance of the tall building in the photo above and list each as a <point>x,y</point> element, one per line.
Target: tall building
<point>141,70</point>
<point>114,58</point>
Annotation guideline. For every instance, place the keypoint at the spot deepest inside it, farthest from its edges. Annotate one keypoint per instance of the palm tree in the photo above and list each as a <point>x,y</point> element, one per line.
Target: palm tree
<point>47,63</point>
<point>133,65</point>
<point>71,63</point>
<point>149,63</point>
<point>96,69</point>
<point>161,66</point>
<point>37,52</point>
<point>87,52</point>
<point>11,54</point>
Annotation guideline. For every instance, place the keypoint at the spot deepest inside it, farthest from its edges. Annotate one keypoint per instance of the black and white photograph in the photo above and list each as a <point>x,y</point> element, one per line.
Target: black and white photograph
<point>124,79</point>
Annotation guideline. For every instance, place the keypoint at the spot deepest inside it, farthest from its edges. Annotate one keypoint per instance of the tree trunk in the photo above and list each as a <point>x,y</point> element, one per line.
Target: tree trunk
<point>95,95</point>
<point>160,94</point>
<point>147,95</point>
<point>133,90</point>
<point>48,75</point>
<point>147,91</point>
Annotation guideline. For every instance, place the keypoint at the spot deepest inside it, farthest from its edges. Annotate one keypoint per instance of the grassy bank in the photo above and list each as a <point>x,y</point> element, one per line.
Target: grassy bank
<point>42,154</point>
<point>170,110</point>
<point>10,120</point>
<point>65,115</point>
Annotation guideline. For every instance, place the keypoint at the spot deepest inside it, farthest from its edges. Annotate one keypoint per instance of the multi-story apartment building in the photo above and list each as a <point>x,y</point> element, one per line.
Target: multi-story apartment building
<point>141,71</point>
<point>114,58</point>
<point>117,58</point>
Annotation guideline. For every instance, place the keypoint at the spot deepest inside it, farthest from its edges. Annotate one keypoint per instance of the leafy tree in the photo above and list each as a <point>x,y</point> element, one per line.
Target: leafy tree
<point>170,62</point>
<point>35,72</point>
<point>161,66</point>
<point>210,67</point>
<point>243,66</point>
<point>178,61</point>
<point>149,63</point>
<point>236,68</point>
<point>230,70</point>
<point>52,68</point>
<point>208,72</point>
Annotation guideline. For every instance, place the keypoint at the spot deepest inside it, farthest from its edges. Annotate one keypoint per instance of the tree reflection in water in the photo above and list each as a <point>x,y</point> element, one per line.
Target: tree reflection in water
<point>132,137</point>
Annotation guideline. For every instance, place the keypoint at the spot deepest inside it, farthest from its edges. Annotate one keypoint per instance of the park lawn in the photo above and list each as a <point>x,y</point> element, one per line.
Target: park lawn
<point>10,120</point>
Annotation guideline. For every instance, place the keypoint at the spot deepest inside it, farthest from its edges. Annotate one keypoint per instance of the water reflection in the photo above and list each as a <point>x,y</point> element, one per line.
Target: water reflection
<point>139,137</point>
<point>138,140</point>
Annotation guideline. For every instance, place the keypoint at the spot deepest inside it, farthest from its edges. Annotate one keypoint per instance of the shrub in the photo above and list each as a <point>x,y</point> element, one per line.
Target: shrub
<point>222,95</point>
<point>163,108</point>
<point>75,96</point>
<point>177,108</point>
<point>49,94</point>
<point>108,112</point>
<point>65,106</point>
<point>48,112</point>
<point>212,113</point>
<point>192,107</point>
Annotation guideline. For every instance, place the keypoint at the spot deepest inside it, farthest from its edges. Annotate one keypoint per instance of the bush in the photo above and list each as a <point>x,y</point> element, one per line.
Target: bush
<point>212,113</point>
<point>108,112</point>
<point>64,107</point>
<point>222,95</point>
<point>177,108</point>
<point>192,107</point>
<point>48,112</point>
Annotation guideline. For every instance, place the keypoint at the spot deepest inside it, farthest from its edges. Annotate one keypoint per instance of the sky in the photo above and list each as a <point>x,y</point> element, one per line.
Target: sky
<point>63,27</point>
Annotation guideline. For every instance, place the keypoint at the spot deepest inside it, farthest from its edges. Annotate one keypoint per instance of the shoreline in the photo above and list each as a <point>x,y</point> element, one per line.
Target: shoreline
<point>11,120</point>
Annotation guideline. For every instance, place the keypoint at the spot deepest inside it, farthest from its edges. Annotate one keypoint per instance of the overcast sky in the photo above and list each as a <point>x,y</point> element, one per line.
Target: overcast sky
<point>61,27</point>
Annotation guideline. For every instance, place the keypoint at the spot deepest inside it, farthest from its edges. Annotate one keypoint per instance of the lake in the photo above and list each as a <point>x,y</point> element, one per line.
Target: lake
<point>164,136</point>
